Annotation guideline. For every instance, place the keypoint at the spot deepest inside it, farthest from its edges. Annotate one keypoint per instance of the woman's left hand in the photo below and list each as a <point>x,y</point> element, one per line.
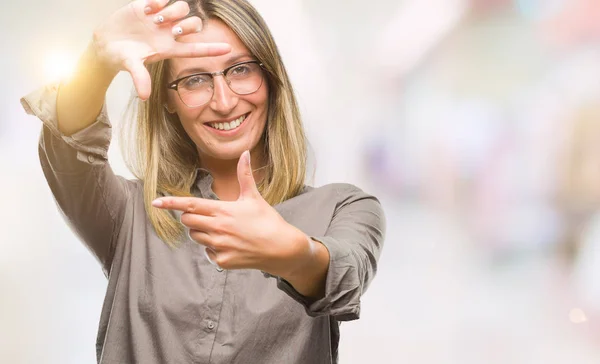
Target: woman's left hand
<point>247,233</point>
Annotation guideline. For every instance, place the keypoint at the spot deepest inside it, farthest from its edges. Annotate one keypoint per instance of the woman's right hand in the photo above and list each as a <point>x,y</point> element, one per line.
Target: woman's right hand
<point>147,31</point>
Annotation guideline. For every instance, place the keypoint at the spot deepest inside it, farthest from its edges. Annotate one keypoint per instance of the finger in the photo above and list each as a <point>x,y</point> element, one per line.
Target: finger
<point>197,222</point>
<point>192,50</point>
<point>153,6</point>
<point>193,205</point>
<point>201,238</point>
<point>248,187</point>
<point>225,260</point>
<point>187,26</point>
<point>211,256</point>
<point>141,78</point>
<point>173,12</point>
<point>216,260</point>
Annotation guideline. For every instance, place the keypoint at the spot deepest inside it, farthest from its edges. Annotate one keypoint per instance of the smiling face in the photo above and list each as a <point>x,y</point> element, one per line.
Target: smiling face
<point>244,115</point>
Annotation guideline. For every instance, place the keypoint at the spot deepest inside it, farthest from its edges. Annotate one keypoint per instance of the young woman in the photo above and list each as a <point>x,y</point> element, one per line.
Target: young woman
<point>218,252</point>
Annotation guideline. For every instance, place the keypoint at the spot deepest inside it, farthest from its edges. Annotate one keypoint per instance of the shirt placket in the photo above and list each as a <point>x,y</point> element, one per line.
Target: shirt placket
<point>215,287</point>
<point>210,316</point>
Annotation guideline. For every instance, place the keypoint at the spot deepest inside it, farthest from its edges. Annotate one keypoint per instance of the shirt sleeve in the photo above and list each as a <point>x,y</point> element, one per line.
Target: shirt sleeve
<point>354,240</point>
<point>90,196</point>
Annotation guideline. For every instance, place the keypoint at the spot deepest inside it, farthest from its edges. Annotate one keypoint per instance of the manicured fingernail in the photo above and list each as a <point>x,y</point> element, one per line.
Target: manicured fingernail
<point>177,31</point>
<point>157,203</point>
<point>159,19</point>
<point>147,10</point>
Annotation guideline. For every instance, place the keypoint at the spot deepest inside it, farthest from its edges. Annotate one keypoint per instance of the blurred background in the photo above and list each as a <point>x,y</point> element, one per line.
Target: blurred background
<point>476,122</point>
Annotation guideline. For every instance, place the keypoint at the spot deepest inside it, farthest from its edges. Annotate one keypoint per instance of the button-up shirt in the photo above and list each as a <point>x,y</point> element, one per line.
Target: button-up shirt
<point>170,305</point>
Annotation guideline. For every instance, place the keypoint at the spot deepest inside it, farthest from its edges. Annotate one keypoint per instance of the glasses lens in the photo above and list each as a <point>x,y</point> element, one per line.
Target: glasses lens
<point>245,78</point>
<point>195,90</point>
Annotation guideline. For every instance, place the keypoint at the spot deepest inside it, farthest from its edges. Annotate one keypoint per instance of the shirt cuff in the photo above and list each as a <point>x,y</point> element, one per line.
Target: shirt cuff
<point>91,143</point>
<point>343,287</point>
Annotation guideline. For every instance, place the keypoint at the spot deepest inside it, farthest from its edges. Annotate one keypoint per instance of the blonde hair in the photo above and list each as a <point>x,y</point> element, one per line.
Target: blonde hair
<point>159,152</point>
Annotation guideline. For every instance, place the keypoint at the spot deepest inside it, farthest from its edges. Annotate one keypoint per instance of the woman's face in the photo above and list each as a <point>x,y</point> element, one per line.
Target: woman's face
<point>225,106</point>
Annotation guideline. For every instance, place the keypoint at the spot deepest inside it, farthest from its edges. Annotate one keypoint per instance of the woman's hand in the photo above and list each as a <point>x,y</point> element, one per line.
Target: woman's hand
<point>247,233</point>
<point>147,31</point>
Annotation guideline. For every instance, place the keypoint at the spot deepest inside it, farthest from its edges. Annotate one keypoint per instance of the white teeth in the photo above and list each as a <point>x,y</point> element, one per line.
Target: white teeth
<point>229,126</point>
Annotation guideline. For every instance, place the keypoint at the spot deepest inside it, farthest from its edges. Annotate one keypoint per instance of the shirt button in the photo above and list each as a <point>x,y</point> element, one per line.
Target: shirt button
<point>91,158</point>
<point>211,325</point>
<point>219,269</point>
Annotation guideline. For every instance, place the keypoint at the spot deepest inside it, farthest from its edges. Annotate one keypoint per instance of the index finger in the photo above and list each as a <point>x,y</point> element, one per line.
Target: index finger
<point>194,205</point>
<point>191,50</point>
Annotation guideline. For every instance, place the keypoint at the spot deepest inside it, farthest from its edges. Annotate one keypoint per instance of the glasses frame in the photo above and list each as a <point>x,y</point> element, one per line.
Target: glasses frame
<point>174,85</point>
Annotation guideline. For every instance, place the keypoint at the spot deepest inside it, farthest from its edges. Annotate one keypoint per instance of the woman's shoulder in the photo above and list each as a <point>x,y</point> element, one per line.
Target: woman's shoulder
<point>337,186</point>
<point>339,191</point>
<point>346,199</point>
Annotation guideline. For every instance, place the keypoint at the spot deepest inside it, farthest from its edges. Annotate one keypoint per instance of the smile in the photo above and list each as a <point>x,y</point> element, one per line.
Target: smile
<point>229,125</point>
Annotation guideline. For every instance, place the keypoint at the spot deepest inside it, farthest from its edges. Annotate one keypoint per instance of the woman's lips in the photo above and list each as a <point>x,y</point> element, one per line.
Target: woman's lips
<point>228,128</point>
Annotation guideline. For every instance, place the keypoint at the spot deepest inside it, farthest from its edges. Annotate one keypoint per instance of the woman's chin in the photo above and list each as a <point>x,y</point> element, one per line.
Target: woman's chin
<point>226,153</point>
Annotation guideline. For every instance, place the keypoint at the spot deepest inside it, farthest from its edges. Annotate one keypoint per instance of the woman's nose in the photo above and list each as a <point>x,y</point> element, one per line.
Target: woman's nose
<point>224,100</point>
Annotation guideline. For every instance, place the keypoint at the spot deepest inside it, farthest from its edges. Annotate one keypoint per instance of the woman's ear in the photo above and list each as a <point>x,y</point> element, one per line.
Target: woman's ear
<point>170,109</point>
<point>169,103</point>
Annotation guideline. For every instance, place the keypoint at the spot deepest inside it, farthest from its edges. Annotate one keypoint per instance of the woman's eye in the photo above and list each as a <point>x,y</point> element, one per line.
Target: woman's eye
<point>195,81</point>
<point>240,70</point>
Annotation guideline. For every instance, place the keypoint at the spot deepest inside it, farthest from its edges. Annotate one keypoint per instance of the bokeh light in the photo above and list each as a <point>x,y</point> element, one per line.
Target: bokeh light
<point>58,64</point>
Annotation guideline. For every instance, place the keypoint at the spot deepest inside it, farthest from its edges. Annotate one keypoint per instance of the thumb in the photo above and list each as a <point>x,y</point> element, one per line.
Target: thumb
<point>248,187</point>
<point>141,78</point>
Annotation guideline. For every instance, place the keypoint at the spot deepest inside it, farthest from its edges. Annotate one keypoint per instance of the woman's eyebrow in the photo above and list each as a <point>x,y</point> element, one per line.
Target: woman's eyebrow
<point>237,57</point>
<point>232,60</point>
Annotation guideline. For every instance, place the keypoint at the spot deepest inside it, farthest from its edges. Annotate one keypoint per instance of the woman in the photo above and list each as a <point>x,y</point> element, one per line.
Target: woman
<point>219,152</point>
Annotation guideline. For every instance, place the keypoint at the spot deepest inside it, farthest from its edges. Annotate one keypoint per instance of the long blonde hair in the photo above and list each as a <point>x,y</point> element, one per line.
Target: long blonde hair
<point>159,152</point>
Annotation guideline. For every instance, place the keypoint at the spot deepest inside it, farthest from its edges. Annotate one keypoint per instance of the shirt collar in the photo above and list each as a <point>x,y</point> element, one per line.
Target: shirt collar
<point>203,184</point>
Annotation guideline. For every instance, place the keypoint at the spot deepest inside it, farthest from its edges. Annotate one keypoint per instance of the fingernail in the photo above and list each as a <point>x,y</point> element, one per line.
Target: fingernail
<point>159,19</point>
<point>199,29</point>
<point>177,31</point>
<point>157,203</point>
<point>248,158</point>
<point>147,10</point>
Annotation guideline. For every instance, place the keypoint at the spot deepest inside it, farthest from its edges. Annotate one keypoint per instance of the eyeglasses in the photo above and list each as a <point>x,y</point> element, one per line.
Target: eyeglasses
<point>196,90</point>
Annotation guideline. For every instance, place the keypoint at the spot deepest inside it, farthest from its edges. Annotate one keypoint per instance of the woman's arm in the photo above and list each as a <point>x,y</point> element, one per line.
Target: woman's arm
<point>73,150</point>
<point>73,155</point>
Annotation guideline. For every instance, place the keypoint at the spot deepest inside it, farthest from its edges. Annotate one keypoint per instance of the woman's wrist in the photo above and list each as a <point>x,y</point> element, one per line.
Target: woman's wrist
<point>93,60</point>
<point>308,271</point>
